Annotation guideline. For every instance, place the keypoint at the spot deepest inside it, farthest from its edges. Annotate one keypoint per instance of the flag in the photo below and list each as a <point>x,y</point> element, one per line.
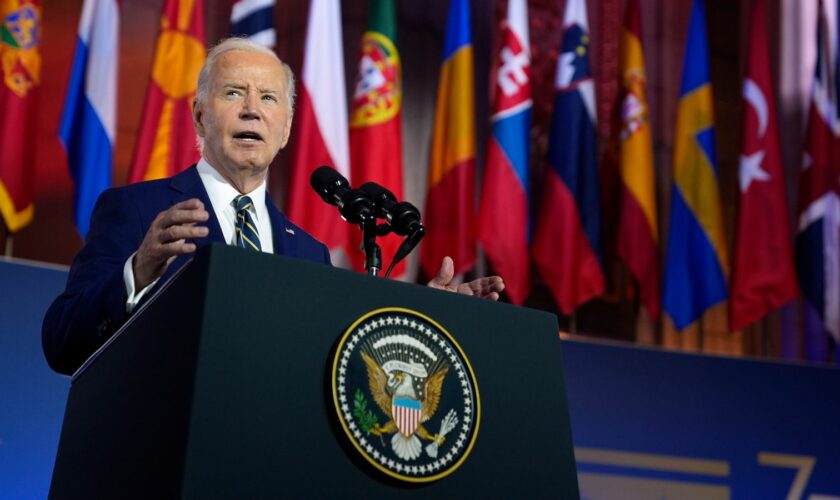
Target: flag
<point>321,127</point>
<point>375,117</point>
<point>695,266</point>
<point>504,221</point>
<point>20,41</point>
<point>817,248</point>
<point>450,198</point>
<point>567,241</point>
<point>762,268</point>
<point>638,232</point>
<point>89,123</point>
<point>254,20</point>
<point>166,142</point>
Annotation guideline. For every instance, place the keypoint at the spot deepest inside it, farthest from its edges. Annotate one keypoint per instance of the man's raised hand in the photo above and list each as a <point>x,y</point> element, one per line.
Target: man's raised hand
<point>166,239</point>
<point>485,288</point>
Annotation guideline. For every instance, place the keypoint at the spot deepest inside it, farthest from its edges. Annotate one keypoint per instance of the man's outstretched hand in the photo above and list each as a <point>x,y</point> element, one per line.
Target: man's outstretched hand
<point>484,288</point>
<point>167,238</point>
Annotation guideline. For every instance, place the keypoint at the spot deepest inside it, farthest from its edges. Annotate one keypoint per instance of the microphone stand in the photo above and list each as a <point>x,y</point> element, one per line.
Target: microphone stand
<point>373,254</point>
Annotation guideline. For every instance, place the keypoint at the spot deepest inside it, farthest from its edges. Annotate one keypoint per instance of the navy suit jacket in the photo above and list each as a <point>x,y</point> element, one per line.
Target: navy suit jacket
<point>92,306</point>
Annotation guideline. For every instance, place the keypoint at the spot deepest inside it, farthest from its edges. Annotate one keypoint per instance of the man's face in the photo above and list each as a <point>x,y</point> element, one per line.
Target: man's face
<point>245,119</point>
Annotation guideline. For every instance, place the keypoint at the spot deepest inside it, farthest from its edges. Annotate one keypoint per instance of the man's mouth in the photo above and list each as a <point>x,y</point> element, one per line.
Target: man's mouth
<point>248,136</point>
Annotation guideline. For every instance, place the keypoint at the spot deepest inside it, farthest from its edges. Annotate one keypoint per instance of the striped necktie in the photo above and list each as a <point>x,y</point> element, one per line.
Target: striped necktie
<point>247,235</point>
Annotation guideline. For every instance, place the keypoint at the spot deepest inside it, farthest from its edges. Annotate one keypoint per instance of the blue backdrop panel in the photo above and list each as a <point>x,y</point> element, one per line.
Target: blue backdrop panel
<point>648,423</point>
<point>32,396</point>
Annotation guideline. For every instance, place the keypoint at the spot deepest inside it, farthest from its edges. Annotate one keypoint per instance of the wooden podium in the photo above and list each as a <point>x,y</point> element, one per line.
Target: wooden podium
<point>219,387</point>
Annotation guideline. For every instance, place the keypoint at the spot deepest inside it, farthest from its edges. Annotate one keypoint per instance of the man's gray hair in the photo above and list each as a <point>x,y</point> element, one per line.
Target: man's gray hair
<point>237,43</point>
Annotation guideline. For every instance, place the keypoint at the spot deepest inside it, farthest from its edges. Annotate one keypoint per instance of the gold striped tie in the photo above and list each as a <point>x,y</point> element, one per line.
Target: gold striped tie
<point>247,235</point>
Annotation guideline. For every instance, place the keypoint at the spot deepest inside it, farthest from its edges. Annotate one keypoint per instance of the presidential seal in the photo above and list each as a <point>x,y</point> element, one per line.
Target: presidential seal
<point>405,395</point>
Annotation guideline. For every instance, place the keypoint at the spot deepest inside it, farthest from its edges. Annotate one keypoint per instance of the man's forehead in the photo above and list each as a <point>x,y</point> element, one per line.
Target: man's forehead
<point>240,65</point>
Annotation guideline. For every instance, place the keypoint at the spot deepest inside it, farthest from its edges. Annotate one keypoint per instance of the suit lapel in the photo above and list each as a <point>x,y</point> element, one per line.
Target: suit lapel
<point>188,185</point>
<point>282,236</point>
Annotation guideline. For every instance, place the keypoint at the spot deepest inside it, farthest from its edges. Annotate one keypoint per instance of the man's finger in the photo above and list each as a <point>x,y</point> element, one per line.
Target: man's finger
<point>191,204</point>
<point>182,232</point>
<point>176,248</point>
<point>182,216</point>
<point>446,273</point>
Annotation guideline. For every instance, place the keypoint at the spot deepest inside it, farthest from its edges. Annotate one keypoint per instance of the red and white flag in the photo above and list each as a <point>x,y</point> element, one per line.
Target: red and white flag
<point>763,276</point>
<point>321,128</point>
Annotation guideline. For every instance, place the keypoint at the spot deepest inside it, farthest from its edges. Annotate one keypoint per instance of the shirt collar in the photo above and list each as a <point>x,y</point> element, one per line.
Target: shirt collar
<point>222,194</point>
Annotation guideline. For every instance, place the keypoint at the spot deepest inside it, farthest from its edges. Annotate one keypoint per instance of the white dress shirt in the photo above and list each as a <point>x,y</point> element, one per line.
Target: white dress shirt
<point>222,196</point>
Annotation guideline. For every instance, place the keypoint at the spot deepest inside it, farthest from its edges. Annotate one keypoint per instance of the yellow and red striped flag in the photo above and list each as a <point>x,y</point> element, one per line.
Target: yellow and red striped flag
<point>638,235</point>
<point>450,198</point>
<point>166,143</point>
<point>20,39</point>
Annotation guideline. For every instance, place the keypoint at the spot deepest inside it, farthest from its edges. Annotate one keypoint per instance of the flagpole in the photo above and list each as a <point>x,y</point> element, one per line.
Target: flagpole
<point>8,244</point>
<point>573,323</point>
<point>701,334</point>
<point>765,336</point>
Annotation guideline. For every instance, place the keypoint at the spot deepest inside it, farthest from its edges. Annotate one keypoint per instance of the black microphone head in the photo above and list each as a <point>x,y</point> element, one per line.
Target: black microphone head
<point>326,181</point>
<point>383,200</point>
<point>405,218</point>
<point>376,191</point>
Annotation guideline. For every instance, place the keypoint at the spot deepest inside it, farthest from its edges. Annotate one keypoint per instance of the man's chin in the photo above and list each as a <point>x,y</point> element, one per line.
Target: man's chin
<point>255,162</point>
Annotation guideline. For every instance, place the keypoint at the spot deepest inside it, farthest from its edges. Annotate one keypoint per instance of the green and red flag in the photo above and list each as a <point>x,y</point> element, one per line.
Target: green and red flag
<point>20,39</point>
<point>375,116</point>
<point>450,198</point>
<point>166,143</point>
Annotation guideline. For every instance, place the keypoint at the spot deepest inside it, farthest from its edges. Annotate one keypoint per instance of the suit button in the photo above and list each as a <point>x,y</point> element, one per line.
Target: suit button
<point>103,327</point>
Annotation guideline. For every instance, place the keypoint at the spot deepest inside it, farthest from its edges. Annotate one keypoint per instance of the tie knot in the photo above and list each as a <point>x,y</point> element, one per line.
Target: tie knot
<point>242,202</point>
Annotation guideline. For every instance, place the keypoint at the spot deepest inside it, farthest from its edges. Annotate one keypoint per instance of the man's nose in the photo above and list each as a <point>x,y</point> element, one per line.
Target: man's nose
<point>250,109</point>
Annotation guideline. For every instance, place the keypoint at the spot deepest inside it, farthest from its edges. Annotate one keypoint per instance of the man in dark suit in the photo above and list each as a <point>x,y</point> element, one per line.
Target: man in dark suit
<point>140,234</point>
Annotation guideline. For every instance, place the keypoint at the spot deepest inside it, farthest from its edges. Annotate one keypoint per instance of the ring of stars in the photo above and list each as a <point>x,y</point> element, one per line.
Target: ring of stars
<point>457,438</point>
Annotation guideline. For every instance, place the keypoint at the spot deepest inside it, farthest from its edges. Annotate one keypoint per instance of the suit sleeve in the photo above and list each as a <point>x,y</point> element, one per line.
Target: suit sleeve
<point>93,305</point>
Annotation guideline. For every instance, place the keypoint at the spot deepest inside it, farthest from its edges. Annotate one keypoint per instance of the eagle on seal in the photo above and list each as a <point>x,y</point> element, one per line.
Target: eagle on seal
<point>395,394</point>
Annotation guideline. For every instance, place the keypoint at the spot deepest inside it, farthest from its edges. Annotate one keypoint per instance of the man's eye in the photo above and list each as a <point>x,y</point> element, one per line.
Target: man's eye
<point>232,93</point>
<point>270,98</point>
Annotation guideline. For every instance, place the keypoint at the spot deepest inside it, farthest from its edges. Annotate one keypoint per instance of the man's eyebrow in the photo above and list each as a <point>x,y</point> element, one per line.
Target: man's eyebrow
<point>242,86</point>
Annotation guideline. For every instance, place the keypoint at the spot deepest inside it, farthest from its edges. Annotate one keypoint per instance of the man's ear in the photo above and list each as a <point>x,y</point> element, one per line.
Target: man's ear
<point>196,115</point>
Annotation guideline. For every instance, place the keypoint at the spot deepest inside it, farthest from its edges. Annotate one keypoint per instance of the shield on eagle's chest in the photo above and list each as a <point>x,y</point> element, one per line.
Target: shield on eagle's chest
<point>406,413</point>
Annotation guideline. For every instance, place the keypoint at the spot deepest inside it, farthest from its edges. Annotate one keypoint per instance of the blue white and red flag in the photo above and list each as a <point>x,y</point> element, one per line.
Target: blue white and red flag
<point>254,19</point>
<point>567,240</point>
<point>817,248</point>
<point>504,223</point>
<point>88,124</point>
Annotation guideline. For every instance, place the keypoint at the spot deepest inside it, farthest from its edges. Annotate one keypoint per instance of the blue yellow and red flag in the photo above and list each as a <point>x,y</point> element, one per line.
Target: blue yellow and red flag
<point>504,221</point>
<point>696,263</point>
<point>450,199</point>
<point>567,240</point>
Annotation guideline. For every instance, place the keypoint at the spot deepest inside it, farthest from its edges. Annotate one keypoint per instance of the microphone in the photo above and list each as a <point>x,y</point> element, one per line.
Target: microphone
<point>403,217</point>
<point>354,205</point>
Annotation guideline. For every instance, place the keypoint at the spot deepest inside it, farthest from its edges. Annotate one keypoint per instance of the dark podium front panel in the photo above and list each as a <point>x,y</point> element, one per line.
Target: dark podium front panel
<point>221,388</point>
